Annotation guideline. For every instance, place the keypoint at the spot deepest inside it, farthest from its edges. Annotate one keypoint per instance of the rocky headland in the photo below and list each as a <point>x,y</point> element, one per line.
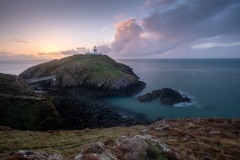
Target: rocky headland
<point>167,96</point>
<point>98,74</point>
<point>73,101</point>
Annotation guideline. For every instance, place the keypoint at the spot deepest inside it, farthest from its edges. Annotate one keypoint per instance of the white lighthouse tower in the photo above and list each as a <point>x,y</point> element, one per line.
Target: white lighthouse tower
<point>95,52</point>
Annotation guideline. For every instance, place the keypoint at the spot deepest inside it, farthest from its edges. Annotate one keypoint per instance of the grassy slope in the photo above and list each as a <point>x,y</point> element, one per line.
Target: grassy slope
<point>11,84</point>
<point>66,143</point>
<point>73,70</point>
<point>212,138</point>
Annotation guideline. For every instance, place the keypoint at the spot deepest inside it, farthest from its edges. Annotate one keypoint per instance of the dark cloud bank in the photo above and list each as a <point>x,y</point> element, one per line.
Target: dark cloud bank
<point>19,41</point>
<point>173,23</point>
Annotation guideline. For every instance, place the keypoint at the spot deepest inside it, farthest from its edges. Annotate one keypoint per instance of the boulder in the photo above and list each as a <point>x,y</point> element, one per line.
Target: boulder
<point>30,155</point>
<point>130,148</point>
<point>146,97</point>
<point>167,96</point>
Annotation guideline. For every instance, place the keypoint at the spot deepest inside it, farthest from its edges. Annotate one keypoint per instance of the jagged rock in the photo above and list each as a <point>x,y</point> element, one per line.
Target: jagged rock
<point>130,148</point>
<point>95,151</point>
<point>144,147</point>
<point>146,97</point>
<point>32,155</point>
<point>167,96</point>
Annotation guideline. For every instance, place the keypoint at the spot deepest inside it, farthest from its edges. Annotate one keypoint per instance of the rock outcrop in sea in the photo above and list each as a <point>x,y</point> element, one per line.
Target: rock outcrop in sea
<point>167,96</point>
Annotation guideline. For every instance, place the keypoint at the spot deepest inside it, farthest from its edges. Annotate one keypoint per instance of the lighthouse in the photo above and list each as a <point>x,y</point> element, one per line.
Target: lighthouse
<point>95,50</point>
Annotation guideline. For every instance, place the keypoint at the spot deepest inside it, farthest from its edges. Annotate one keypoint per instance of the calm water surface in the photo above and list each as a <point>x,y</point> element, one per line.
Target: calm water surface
<point>17,66</point>
<point>213,85</point>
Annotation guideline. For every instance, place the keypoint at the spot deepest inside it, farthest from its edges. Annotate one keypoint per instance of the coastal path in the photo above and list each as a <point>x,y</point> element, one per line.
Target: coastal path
<point>34,80</point>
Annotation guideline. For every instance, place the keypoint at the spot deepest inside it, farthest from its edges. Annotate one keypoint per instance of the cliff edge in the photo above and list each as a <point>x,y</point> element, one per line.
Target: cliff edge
<point>81,80</point>
<point>95,71</point>
<point>22,108</point>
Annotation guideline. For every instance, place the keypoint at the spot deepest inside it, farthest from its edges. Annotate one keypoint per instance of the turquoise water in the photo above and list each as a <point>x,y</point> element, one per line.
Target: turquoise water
<point>213,85</point>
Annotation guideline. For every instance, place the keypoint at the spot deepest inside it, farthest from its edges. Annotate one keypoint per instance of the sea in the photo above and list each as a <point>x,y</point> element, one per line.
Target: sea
<point>212,84</point>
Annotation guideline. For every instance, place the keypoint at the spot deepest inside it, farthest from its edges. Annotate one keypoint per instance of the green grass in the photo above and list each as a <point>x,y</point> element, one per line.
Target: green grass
<point>28,112</point>
<point>66,143</point>
<point>76,69</point>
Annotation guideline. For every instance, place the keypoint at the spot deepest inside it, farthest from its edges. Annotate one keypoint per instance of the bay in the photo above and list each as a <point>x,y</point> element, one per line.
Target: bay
<point>212,84</point>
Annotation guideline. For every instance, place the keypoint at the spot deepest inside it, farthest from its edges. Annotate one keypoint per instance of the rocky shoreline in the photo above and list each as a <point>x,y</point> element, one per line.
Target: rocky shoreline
<point>73,98</point>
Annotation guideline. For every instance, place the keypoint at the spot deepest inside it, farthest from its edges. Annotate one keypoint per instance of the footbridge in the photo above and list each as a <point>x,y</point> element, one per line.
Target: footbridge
<point>34,80</point>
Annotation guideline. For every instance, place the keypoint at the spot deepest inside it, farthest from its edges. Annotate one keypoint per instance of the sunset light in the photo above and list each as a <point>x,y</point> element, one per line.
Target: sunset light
<point>145,28</point>
<point>119,79</point>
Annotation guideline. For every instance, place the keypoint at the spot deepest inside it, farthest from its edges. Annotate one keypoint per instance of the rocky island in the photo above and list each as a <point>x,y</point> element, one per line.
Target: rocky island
<point>72,100</point>
<point>167,96</point>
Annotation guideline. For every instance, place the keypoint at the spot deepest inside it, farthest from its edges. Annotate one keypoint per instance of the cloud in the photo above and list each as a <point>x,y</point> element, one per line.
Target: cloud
<point>171,24</point>
<point>104,29</point>
<point>19,41</point>
<point>70,52</point>
<point>79,50</point>
<point>132,39</point>
<point>195,19</point>
<point>215,45</point>
<point>158,3</point>
<point>3,53</point>
<point>82,50</point>
<point>120,16</point>
<point>17,56</point>
<point>104,48</point>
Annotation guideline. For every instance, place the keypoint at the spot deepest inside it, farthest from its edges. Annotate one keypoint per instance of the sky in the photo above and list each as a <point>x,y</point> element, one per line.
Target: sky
<point>147,29</point>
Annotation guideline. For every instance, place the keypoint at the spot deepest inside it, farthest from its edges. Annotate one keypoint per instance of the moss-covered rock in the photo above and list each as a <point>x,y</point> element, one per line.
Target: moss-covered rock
<point>14,85</point>
<point>21,108</point>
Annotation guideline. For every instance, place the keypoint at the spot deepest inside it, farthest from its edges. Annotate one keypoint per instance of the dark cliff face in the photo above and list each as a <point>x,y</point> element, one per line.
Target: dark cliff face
<point>97,71</point>
<point>80,81</point>
<point>21,108</point>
